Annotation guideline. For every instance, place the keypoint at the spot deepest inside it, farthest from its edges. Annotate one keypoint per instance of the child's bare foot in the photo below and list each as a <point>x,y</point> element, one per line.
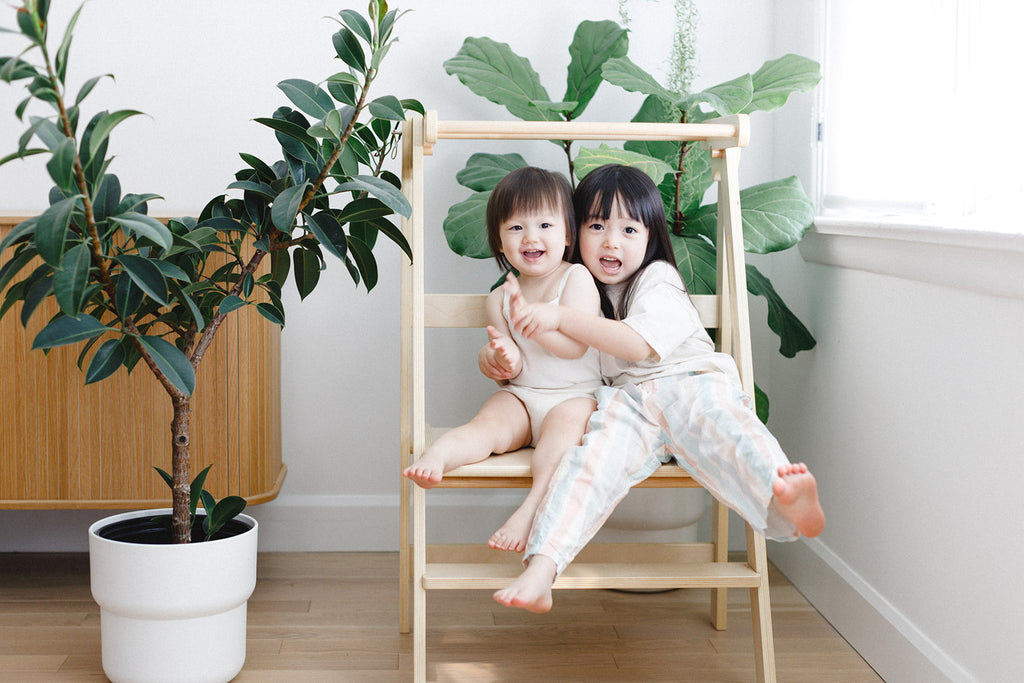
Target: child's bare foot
<point>531,590</point>
<point>427,472</point>
<point>513,534</point>
<point>796,497</point>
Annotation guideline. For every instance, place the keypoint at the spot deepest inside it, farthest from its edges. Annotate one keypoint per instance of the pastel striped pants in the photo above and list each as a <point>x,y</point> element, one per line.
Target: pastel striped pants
<point>702,420</point>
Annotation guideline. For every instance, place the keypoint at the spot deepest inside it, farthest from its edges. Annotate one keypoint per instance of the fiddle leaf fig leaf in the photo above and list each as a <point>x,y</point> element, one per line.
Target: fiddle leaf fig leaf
<point>777,79</point>
<point>484,170</point>
<point>793,335</point>
<point>696,260</point>
<point>621,71</point>
<point>725,99</point>
<point>465,226</point>
<point>492,70</point>
<point>594,43</point>
<point>589,159</point>
<point>775,216</point>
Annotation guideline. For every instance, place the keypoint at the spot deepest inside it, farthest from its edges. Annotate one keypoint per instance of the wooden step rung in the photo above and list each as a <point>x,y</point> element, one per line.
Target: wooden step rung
<point>512,470</point>
<point>598,575</point>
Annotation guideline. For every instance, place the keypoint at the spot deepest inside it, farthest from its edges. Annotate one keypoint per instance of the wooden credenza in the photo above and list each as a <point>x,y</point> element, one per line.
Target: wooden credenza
<point>65,445</point>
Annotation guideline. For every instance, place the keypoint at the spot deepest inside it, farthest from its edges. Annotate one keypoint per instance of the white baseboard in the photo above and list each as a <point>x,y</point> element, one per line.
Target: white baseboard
<point>893,645</point>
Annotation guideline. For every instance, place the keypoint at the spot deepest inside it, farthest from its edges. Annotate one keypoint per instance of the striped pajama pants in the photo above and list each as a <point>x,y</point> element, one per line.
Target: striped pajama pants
<point>701,420</point>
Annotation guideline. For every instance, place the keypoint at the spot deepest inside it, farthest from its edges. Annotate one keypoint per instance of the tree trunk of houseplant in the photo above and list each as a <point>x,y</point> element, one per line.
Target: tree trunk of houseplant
<point>181,423</point>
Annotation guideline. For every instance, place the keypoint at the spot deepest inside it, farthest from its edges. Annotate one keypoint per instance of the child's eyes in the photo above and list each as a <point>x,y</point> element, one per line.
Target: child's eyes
<point>630,230</point>
<point>595,226</point>
<point>545,226</point>
<point>513,228</point>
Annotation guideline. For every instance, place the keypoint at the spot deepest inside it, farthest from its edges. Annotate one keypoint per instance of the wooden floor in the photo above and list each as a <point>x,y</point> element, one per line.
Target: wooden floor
<point>334,617</point>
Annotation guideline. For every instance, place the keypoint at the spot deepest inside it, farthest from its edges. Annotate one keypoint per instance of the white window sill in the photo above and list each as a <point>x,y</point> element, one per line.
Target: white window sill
<point>986,262</point>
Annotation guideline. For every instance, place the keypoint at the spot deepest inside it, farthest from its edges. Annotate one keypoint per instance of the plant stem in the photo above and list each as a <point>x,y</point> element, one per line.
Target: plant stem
<point>678,218</point>
<point>181,424</point>
<point>572,168</point>
<point>182,410</point>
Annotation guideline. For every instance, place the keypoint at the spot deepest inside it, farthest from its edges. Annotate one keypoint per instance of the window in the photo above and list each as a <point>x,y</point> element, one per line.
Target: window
<point>922,103</point>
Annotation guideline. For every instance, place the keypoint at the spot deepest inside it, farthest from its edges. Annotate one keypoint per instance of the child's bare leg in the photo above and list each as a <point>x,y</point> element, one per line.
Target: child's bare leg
<point>531,590</point>
<point>796,499</point>
<point>562,429</point>
<point>501,425</point>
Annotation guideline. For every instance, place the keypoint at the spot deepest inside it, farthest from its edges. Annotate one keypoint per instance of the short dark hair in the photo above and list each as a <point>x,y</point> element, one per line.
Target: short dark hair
<point>640,198</point>
<point>528,189</point>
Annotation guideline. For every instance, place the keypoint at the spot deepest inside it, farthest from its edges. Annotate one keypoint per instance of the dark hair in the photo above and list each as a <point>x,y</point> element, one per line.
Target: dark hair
<point>640,199</point>
<point>527,190</point>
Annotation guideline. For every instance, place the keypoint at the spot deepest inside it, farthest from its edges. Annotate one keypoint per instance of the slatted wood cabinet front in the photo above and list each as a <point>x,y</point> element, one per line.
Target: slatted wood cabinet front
<point>67,445</point>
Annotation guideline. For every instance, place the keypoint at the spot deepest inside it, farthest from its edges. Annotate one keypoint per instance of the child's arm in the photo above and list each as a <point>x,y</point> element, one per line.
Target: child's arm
<point>610,336</point>
<point>500,359</point>
<point>580,295</point>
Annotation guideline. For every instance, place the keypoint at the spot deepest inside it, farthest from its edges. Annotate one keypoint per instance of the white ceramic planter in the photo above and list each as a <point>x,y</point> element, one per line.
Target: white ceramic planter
<point>172,613</point>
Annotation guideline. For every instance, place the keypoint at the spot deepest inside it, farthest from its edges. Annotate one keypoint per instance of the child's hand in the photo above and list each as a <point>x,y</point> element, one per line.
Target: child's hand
<point>501,359</point>
<point>529,319</point>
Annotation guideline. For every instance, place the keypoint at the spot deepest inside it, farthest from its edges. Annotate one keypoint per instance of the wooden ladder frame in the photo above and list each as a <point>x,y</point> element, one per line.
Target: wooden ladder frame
<point>702,565</point>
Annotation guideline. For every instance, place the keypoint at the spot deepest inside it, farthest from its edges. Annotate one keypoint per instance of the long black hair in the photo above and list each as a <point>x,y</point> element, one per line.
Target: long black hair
<point>640,199</point>
<point>528,190</point>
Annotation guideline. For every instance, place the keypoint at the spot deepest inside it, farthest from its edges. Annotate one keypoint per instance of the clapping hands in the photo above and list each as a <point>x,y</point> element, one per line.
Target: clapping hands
<point>529,319</point>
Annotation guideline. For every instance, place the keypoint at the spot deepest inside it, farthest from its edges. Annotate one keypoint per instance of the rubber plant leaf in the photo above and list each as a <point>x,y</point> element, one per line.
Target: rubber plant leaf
<point>65,330</point>
<point>172,363</point>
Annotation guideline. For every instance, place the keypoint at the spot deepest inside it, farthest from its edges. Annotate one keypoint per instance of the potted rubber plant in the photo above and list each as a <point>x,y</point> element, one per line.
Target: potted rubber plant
<point>135,292</point>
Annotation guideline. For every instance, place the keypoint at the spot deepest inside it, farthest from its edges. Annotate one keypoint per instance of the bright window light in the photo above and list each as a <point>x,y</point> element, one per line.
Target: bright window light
<point>922,103</point>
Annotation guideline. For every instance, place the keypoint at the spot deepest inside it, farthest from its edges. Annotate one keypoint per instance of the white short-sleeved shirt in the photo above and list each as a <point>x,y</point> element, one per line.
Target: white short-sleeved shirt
<point>661,312</point>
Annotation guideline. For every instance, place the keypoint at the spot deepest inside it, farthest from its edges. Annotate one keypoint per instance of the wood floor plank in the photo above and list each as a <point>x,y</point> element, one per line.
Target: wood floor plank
<point>329,617</point>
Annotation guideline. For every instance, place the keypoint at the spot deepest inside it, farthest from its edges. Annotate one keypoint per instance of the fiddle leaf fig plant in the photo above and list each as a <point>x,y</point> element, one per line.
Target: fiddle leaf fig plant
<point>775,214</point>
<point>133,289</point>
